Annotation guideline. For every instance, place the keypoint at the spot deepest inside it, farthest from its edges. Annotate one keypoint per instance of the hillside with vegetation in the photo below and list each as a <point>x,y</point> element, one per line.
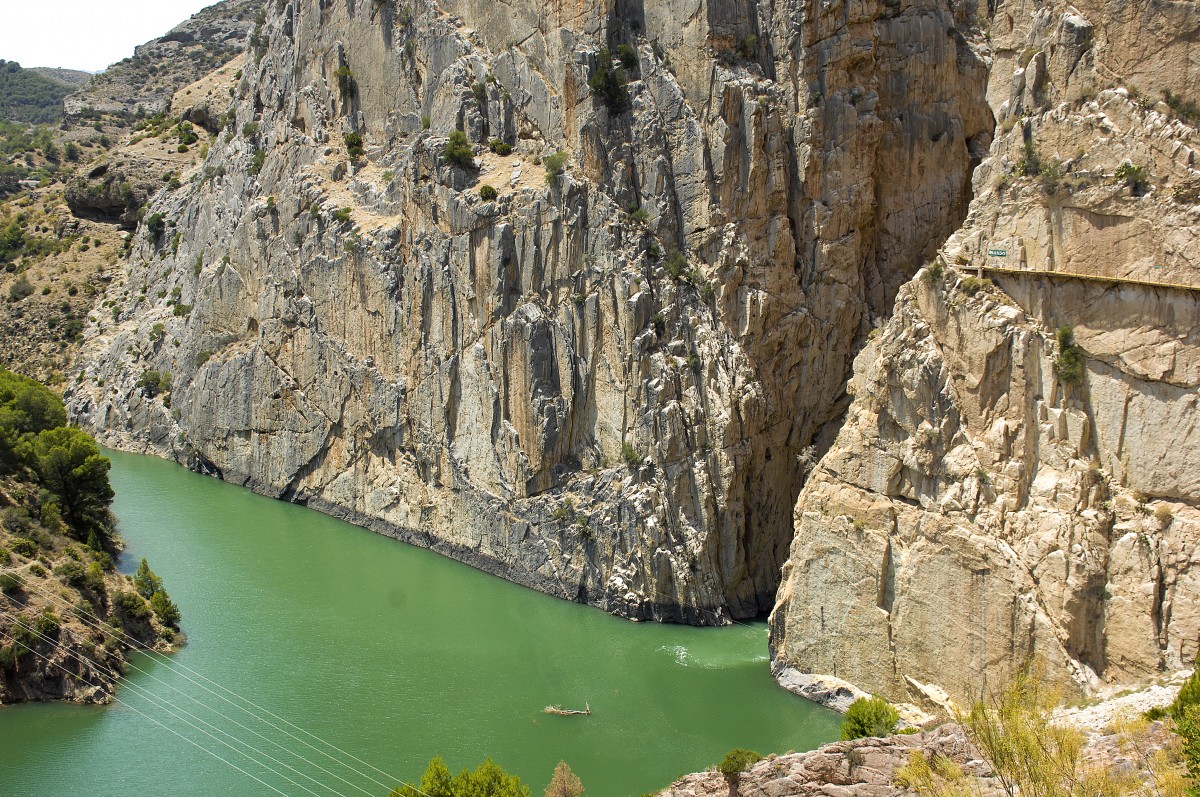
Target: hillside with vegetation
<point>67,617</point>
<point>32,95</point>
<point>143,84</point>
<point>69,194</point>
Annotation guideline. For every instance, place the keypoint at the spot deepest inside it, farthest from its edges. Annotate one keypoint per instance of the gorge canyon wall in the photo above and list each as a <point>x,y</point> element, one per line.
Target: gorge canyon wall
<point>638,382</point>
<point>603,384</point>
<point>985,503</point>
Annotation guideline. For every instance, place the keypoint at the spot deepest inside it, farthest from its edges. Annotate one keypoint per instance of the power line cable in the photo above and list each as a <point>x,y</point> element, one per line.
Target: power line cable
<point>164,704</point>
<point>105,628</point>
<point>175,667</point>
<point>152,719</point>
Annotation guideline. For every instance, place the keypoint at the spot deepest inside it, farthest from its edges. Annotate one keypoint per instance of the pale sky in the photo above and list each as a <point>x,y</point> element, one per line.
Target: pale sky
<point>85,34</point>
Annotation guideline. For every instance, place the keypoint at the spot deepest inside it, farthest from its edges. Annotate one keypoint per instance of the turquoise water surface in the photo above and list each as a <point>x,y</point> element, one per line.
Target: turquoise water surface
<point>392,654</point>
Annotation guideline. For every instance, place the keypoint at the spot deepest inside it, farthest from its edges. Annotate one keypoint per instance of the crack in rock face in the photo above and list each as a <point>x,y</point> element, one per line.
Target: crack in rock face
<point>1016,476</point>
<point>601,380</point>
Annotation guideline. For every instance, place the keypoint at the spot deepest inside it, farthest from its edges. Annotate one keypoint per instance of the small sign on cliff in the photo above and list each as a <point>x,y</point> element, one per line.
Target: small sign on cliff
<point>997,253</point>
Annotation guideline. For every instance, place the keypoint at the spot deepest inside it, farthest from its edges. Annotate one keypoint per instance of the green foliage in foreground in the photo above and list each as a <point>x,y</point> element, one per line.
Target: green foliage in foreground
<point>36,443</point>
<point>564,782</point>
<point>872,716</point>
<point>737,761</point>
<point>487,780</point>
<point>1185,711</point>
<point>27,406</point>
<point>69,465</point>
<point>1030,755</point>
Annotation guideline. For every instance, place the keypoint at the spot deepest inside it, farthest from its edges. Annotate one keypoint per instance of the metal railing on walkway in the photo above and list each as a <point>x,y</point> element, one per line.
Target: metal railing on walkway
<point>1070,275</point>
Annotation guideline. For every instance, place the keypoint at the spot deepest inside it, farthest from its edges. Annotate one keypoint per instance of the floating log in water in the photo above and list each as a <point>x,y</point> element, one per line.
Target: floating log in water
<point>567,712</point>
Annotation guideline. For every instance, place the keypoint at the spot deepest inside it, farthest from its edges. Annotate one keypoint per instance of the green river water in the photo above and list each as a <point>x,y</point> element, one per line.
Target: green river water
<point>393,654</point>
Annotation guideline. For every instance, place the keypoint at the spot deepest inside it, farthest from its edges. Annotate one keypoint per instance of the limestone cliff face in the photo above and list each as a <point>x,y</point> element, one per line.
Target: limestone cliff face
<point>969,510</point>
<point>538,384</point>
<point>978,507</point>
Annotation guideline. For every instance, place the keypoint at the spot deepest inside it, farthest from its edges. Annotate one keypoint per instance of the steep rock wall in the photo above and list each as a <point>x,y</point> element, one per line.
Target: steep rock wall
<point>978,508</point>
<point>537,384</point>
<point>966,512</point>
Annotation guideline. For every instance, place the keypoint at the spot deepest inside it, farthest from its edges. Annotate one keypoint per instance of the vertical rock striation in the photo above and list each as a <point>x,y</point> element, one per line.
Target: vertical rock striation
<point>597,384</point>
<point>985,501</point>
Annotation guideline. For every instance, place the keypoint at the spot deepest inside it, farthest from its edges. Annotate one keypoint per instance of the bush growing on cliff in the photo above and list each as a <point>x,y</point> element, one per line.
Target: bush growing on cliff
<point>1029,755</point>
<point>973,285</point>
<point>458,151</point>
<point>256,163</point>
<point>554,165</point>
<point>869,716</point>
<point>20,289</point>
<point>735,762</point>
<point>345,80</point>
<point>9,584</point>
<point>747,46</point>
<point>675,264</point>
<point>608,84</point>
<point>131,606</point>
<point>8,658</point>
<point>1031,164</point>
<point>1069,363</point>
<point>628,56</point>
<point>1185,716</point>
<point>24,546</point>
<point>1185,109</point>
<point>71,572</point>
<point>354,145</point>
<point>1134,177</point>
<point>631,455</point>
<point>1189,693</point>
<point>152,382</point>
<point>1051,177</point>
<point>1026,752</point>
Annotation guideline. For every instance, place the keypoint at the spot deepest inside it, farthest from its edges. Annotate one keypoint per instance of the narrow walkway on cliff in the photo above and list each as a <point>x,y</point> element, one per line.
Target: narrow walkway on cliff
<point>1068,275</point>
